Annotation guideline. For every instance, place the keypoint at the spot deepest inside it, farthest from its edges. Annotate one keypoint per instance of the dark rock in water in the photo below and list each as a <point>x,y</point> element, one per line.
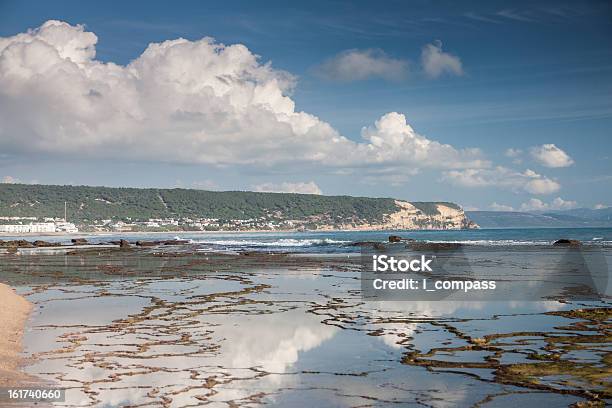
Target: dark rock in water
<point>397,238</point>
<point>364,244</point>
<point>18,243</point>
<point>434,245</point>
<point>176,242</point>
<point>124,244</point>
<point>42,244</point>
<point>79,241</point>
<point>567,242</point>
<point>147,243</point>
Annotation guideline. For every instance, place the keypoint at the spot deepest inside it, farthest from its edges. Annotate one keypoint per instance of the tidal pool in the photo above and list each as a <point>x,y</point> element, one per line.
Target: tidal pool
<point>144,329</point>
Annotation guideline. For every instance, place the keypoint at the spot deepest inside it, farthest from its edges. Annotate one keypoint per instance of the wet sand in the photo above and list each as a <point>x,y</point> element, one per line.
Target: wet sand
<point>14,311</point>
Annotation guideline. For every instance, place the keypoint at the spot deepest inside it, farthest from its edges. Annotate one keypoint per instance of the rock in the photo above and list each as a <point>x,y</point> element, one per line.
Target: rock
<point>79,241</point>
<point>124,244</point>
<point>567,242</point>
<point>376,245</point>
<point>423,246</point>
<point>45,244</point>
<point>397,238</point>
<point>18,243</point>
<point>147,243</point>
<point>176,242</point>
<point>362,243</point>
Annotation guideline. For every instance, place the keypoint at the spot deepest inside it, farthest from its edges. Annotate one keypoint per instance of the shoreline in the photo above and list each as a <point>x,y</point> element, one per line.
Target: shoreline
<point>14,313</point>
<point>116,233</point>
<point>103,233</point>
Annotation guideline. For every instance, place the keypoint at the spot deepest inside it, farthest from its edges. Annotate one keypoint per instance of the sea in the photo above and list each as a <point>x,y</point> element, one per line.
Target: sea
<point>330,242</point>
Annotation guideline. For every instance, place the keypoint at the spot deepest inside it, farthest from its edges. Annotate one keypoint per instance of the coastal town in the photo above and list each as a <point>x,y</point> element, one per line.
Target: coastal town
<point>26,225</point>
<point>33,225</point>
<point>406,218</point>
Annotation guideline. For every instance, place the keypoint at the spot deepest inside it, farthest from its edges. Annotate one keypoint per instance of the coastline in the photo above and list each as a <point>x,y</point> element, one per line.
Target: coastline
<point>14,313</point>
<point>197,232</point>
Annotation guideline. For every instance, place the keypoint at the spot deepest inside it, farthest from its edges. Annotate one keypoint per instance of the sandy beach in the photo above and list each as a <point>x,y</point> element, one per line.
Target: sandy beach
<point>14,311</point>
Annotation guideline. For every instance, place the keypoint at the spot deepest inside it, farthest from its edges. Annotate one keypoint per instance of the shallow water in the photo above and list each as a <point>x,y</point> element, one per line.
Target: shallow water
<point>126,329</point>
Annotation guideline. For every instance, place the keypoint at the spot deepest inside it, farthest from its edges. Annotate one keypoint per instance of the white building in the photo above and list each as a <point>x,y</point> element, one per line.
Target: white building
<point>66,227</point>
<point>25,228</point>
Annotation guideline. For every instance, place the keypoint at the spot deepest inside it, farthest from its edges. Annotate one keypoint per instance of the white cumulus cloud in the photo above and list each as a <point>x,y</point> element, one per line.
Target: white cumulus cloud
<point>534,204</point>
<point>182,101</point>
<point>558,203</point>
<point>356,65</point>
<point>550,155</point>
<point>528,181</point>
<point>392,139</point>
<point>437,62</point>
<point>513,153</point>
<point>309,187</point>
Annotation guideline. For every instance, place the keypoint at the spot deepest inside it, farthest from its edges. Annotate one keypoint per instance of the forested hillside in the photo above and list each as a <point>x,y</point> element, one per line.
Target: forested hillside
<point>89,203</point>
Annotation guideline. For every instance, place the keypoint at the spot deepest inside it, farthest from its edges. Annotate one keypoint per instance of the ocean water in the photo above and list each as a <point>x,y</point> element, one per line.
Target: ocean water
<point>340,241</point>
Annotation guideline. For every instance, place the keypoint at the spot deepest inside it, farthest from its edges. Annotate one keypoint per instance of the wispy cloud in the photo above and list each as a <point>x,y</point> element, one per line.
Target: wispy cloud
<point>309,187</point>
<point>357,65</point>
<point>481,17</point>
<point>517,15</point>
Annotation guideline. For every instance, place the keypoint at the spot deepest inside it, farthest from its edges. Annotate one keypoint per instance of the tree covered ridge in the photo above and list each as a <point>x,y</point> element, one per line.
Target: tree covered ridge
<point>95,203</point>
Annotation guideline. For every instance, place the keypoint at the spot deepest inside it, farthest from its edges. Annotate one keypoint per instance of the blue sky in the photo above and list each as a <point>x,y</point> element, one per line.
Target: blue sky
<point>530,74</point>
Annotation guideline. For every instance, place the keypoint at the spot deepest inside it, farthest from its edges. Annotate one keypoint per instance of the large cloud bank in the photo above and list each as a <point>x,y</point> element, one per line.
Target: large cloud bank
<point>181,101</point>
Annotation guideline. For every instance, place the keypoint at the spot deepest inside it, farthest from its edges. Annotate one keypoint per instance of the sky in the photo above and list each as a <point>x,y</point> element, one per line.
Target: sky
<point>493,105</point>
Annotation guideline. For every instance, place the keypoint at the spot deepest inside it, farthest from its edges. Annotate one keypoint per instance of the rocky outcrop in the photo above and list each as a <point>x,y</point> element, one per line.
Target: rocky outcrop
<point>18,243</point>
<point>408,216</point>
<point>46,244</point>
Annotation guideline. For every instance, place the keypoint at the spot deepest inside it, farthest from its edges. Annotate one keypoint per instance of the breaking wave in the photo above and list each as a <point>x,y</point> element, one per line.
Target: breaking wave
<point>279,243</point>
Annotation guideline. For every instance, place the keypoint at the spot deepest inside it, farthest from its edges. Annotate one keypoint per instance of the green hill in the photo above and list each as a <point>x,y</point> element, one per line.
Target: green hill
<point>95,203</point>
